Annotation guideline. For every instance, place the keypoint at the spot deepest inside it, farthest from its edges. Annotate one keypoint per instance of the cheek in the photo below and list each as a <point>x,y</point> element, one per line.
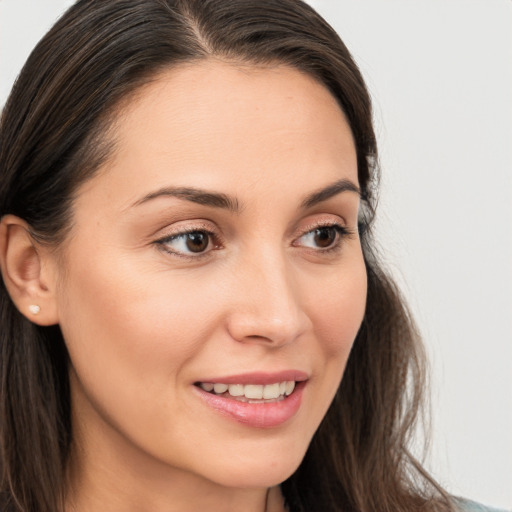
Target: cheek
<point>126,323</point>
<point>338,308</point>
<point>131,334</point>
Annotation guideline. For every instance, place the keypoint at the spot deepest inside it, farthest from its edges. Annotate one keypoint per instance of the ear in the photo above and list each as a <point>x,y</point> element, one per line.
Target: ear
<point>28,271</point>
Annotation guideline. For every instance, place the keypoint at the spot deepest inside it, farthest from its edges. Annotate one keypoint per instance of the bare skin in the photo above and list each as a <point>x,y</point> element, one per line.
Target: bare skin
<point>271,280</point>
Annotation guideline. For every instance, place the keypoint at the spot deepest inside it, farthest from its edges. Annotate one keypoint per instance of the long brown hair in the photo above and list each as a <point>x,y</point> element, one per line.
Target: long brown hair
<point>53,138</point>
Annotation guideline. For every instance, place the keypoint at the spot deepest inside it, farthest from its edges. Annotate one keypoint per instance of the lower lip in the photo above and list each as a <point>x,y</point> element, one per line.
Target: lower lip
<point>258,415</point>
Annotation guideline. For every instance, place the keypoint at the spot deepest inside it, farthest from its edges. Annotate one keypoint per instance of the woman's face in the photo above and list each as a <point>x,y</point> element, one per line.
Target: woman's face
<point>218,246</point>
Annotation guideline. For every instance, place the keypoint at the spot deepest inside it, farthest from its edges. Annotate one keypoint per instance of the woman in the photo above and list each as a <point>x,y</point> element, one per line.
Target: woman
<point>187,198</point>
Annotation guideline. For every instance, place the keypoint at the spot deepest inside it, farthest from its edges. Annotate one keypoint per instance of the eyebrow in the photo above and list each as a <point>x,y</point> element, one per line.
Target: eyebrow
<point>224,201</point>
<point>195,195</point>
<point>329,191</point>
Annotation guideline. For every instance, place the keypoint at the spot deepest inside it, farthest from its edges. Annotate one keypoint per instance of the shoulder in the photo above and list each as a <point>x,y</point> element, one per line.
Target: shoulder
<point>471,506</point>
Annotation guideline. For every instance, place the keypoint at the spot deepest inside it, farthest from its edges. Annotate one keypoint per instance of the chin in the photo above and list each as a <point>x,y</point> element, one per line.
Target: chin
<point>261,472</point>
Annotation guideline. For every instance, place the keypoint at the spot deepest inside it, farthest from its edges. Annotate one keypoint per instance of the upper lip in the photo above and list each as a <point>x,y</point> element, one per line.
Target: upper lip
<point>262,378</point>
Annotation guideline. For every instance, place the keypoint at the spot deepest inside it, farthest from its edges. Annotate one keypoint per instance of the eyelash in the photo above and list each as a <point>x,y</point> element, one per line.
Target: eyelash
<point>213,238</point>
<point>342,232</point>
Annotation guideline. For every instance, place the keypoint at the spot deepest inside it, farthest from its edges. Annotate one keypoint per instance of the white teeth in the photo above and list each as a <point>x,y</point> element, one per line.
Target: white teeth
<point>236,389</point>
<point>220,388</point>
<point>290,386</point>
<point>252,391</point>
<point>271,391</point>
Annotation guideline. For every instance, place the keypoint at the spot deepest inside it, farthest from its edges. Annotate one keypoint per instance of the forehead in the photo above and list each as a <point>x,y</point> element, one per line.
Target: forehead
<point>213,123</point>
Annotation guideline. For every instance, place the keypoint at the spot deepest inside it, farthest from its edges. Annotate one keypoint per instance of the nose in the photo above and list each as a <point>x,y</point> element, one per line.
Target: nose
<point>267,306</point>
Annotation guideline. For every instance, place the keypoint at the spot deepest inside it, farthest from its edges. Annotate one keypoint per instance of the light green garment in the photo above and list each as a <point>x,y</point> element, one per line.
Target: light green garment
<point>471,506</point>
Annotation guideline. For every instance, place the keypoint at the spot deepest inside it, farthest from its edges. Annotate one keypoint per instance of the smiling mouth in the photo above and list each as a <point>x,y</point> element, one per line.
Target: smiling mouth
<point>250,393</point>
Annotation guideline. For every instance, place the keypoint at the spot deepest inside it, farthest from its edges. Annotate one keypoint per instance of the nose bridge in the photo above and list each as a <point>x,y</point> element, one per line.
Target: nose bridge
<point>268,305</point>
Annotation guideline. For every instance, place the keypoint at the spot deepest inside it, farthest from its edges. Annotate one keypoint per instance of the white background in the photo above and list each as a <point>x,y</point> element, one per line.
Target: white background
<point>440,72</point>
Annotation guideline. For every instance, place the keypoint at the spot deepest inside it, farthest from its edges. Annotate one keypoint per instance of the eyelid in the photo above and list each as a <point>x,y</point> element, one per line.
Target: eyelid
<point>319,222</point>
<point>187,226</point>
<point>343,232</point>
<point>183,229</point>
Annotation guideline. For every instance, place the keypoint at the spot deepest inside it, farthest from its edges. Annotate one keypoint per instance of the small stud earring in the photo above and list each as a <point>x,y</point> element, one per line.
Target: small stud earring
<point>34,309</point>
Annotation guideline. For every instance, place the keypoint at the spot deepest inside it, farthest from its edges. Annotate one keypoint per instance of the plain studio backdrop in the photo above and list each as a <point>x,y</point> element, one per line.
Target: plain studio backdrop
<point>440,72</point>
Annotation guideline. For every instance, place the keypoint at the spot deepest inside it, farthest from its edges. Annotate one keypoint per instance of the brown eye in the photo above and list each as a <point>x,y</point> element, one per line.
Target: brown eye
<point>188,243</point>
<point>197,241</point>
<point>323,237</point>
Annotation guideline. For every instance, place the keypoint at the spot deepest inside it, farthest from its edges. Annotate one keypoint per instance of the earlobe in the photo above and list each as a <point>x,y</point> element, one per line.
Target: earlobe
<point>26,271</point>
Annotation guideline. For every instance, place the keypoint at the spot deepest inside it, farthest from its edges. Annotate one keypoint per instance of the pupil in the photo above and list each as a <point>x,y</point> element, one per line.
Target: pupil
<point>324,237</point>
<point>197,241</point>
